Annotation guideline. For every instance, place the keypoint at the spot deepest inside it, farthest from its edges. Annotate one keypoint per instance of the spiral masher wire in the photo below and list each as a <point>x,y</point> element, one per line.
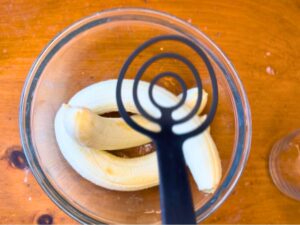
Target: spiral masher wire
<point>176,199</point>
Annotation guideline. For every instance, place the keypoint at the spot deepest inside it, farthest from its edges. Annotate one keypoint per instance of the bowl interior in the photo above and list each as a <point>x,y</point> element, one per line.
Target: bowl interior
<point>97,53</point>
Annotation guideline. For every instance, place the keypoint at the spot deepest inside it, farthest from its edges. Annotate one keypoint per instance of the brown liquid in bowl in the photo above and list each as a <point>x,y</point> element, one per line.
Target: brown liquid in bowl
<point>135,152</point>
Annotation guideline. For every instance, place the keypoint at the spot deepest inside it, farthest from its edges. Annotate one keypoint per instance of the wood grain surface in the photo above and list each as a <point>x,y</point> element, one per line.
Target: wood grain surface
<point>262,39</point>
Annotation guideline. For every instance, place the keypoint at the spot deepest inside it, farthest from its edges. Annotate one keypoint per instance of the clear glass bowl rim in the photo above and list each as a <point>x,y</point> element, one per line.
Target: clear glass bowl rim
<point>242,146</point>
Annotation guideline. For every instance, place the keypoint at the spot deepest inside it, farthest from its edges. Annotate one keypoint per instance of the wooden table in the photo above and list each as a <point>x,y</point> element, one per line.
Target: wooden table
<point>262,39</point>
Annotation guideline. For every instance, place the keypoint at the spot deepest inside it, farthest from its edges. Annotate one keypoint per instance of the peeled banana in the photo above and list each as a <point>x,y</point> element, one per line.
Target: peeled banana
<point>94,131</point>
<point>103,168</point>
<point>82,136</point>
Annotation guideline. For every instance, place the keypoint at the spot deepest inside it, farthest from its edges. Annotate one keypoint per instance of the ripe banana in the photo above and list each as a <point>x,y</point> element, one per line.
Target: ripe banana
<point>94,131</point>
<point>98,132</point>
<point>191,98</point>
<point>77,127</point>
<point>103,168</point>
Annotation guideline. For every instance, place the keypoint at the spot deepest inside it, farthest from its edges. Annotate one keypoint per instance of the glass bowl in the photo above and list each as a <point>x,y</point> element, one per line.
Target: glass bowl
<point>92,50</point>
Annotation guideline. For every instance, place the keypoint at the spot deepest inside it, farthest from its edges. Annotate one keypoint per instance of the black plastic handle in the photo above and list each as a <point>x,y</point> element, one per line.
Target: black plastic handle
<point>175,194</point>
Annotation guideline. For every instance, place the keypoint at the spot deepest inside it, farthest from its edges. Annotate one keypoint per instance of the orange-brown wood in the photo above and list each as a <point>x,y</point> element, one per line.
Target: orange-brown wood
<point>262,39</point>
